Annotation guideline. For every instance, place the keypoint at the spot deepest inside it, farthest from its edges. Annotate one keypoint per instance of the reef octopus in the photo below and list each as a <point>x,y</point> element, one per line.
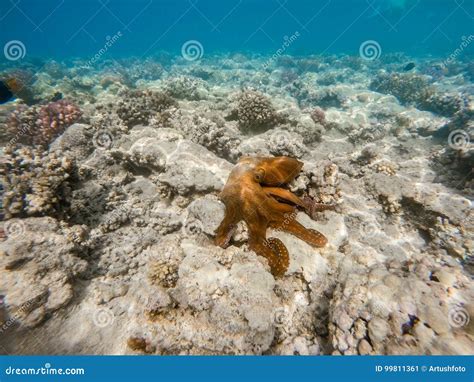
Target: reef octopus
<point>253,193</point>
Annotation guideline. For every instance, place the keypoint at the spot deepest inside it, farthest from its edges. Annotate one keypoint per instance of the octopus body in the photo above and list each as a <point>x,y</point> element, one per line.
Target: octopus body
<point>253,193</point>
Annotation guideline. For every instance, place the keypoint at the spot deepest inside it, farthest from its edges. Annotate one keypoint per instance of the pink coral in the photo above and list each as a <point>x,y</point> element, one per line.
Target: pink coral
<point>318,115</point>
<point>40,125</point>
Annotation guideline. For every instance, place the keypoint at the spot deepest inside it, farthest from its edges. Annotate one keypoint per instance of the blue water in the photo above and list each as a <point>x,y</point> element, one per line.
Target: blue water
<point>79,28</point>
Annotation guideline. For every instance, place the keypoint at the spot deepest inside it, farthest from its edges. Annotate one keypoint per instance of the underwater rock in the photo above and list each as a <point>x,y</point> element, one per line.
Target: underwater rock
<point>217,135</point>
<point>185,87</point>
<point>208,211</point>
<point>39,281</point>
<point>394,321</point>
<point>192,168</point>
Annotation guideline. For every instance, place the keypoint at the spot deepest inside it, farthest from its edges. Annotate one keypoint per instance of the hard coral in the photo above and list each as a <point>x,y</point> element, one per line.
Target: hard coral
<point>35,183</point>
<point>445,104</point>
<point>40,125</point>
<point>413,89</point>
<point>254,111</point>
<point>139,106</point>
<point>409,88</point>
<point>186,87</point>
<point>325,96</point>
<point>214,135</point>
<point>318,115</point>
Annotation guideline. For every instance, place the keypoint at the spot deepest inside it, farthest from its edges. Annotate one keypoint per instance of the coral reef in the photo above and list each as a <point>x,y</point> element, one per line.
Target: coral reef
<point>414,89</point>
<point>371,313</point>
<point>185,87</point>
<point>40,125</point>
<point>254,111</point>
<point>109,225</point>
<point>138,107</point>
<point>35,183</point>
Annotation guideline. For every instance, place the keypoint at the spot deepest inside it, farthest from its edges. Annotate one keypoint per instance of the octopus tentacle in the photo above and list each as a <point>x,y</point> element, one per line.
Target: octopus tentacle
<point>227,228</point>
<point>279,263</point>
<point>312,207</point>
<point>309,235</point>
<point>284,194</point>
<point>272,249</point>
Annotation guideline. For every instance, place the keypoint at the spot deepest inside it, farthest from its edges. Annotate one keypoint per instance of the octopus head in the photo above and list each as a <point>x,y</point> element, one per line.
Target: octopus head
<point>270,171</point>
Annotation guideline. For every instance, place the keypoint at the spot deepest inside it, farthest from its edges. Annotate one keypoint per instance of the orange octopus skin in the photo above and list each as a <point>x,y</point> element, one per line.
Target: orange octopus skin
<point>252,194</point>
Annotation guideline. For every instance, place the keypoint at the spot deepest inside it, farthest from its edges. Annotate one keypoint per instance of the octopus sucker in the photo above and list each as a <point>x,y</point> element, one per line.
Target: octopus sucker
<point>253,194</point>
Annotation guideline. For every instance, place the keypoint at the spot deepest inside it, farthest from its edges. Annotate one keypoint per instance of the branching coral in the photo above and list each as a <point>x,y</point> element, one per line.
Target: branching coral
<point>185,87</point>
<point>35,183</point>
<point>214,135</point>
<point>138,107</point>
<point>40,125</point>
<point>409,88</point>
<point>413,89</point>
<point>308,95</point>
